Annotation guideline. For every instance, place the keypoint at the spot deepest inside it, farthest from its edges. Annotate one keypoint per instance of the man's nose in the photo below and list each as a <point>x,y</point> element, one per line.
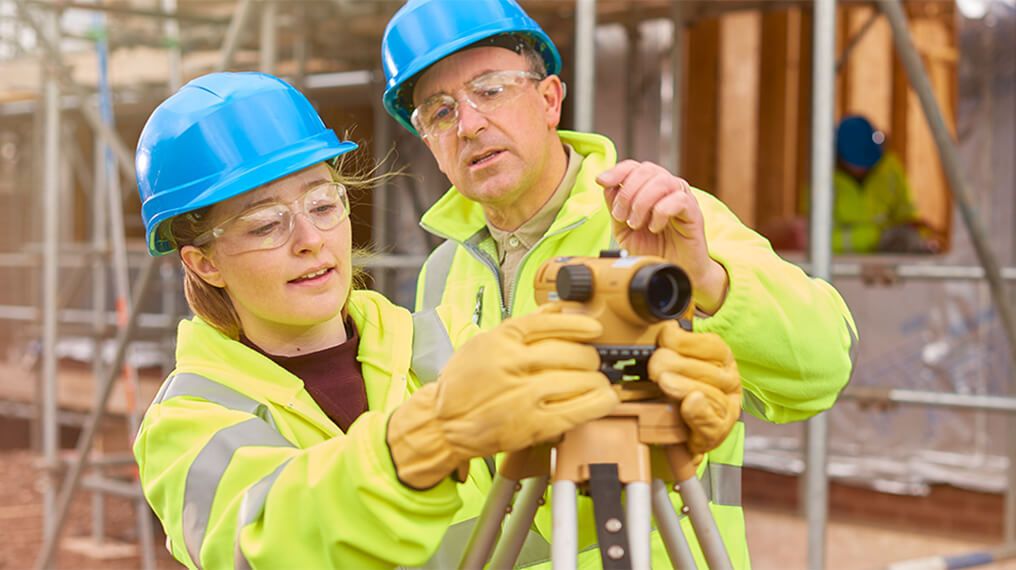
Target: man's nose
<point>471,121</point>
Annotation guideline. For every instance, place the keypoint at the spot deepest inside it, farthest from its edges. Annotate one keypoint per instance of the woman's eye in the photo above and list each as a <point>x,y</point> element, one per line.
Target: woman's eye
<point>323,209</point>
<point>263,229</point>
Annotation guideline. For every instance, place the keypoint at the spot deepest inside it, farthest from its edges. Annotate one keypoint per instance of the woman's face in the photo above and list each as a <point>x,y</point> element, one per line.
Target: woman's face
<point>292,291</point>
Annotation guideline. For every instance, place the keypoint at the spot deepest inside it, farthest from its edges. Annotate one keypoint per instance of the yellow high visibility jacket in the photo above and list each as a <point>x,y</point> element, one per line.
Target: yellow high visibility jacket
<point>863,210</point>
<point>245,470</point>
<point>792,335</point>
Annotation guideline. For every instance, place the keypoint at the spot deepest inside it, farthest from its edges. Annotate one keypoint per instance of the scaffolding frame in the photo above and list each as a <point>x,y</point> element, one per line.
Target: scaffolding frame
<point>815,489</point>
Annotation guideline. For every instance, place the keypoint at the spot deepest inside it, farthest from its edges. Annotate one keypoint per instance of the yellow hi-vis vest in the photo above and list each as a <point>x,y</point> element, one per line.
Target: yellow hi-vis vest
<point>245,470</point>
<point>793,336</point>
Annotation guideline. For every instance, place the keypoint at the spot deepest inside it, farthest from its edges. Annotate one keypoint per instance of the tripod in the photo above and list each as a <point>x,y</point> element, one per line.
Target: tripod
<point>639,445</point>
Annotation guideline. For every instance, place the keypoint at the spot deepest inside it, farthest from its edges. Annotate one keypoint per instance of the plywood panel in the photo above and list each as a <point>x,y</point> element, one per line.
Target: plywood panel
<point>740,34</point>
<point>779,114</point>
<point>868,68</point>
<point>700,125</point>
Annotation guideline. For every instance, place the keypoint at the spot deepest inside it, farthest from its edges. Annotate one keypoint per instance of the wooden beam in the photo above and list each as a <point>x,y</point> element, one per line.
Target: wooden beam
<point>740,35</point>
<point>700,105</point>
<point>779,109</point>
<point>868,70</point>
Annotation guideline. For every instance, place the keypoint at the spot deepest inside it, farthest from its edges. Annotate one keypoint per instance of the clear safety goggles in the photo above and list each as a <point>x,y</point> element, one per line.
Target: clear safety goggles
<point>269,226</point>
<point>485,93</point>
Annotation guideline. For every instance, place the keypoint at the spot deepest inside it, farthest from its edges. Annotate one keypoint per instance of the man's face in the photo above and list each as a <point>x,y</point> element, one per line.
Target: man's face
<point>493,157</point>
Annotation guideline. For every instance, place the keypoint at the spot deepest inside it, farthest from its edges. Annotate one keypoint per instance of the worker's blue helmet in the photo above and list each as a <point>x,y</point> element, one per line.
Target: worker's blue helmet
<point>423,32</point>
<point>858,143</point>
<point>221,135</point>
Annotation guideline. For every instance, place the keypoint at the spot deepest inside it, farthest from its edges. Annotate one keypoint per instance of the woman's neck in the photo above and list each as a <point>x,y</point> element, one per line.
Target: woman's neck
<point>283,340</point>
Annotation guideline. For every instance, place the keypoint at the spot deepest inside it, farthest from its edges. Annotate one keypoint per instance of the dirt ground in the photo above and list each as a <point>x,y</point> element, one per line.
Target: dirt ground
<point>777,538</point>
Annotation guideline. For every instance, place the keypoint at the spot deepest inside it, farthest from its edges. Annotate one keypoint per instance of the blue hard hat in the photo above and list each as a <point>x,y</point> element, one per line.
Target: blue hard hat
<point>858,143</point>
<point>423,32</point>
<point>221,135</point>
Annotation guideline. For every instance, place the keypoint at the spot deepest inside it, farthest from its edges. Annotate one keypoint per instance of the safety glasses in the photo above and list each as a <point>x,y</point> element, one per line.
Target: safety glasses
<point>269,226</point>
<point>486,93</point>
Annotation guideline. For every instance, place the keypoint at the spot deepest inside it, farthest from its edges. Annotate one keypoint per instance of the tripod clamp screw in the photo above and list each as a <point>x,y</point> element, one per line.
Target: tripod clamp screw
<point>613,525</point>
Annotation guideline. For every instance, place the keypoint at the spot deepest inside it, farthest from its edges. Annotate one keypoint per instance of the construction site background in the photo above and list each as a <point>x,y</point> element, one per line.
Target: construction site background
<point>727,107</point>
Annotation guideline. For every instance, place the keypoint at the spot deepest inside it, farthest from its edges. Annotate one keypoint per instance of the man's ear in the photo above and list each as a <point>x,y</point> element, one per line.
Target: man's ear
<point>552,90</point>
<point>202,265</point>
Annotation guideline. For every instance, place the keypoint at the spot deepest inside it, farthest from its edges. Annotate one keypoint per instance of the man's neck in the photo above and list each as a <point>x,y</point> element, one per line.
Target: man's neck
<point>511,216</point>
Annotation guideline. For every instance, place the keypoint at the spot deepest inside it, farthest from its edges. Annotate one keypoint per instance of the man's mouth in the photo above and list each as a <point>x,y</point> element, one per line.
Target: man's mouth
<point>484,158</point>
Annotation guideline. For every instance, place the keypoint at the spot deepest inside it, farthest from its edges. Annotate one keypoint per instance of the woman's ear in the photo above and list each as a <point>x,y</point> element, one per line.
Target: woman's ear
<point>202,265</point>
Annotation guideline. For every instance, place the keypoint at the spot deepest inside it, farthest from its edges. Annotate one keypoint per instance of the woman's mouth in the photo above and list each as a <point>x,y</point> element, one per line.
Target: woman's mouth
<point>317,276</point>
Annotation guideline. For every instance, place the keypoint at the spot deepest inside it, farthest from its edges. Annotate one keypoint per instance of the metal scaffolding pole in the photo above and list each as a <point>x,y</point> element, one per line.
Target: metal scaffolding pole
<point>381,215</point>
<point>585,64</point>
<point>50,276</point>
<point>267,52</point>
<point>816,501</point>
<point>73,479</point>
<point>951,165</point>
<point>232,39</point>
<point>677,59</point>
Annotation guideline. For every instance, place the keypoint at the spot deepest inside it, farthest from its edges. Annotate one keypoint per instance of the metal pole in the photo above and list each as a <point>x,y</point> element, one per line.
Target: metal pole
<point>951,165</point>
<point>380,215</point>
<point>633,93</point>
<point>73,479</point>
<point>816,478</point>
<point>125,158</point>
<point>236,26</point>
<point>677,59</point>
<point>585,64</point>
<point>932,399</point>
<point>269,9</point>
<point>171,27</point>
<point>99,292</point>
<point>50,277</point>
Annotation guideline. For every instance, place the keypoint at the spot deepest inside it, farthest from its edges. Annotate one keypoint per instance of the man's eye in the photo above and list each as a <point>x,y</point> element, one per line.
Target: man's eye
<point>490,91</point>
<point>441,113</point>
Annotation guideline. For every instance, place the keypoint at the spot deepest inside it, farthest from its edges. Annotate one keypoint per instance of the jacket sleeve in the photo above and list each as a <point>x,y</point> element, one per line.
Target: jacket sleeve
<point>793,336</point>
<point>231,492</point>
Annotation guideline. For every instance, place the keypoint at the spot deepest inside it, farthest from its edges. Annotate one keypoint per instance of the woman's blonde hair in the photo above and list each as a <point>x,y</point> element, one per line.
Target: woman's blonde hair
<point>212,303</point>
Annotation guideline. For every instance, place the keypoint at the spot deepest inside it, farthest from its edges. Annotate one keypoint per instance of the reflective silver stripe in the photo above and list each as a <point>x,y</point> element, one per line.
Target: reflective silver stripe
<point>722,484</point>
<point>207,470</point>
<point>431,346</point>
<point>250,510</point>
<point>535,549</point>
<point>195,386</point>
<point>753,404</point>
<point>439,266</point>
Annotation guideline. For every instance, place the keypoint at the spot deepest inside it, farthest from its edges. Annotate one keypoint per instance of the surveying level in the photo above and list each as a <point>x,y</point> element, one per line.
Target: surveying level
<point>639,445</point>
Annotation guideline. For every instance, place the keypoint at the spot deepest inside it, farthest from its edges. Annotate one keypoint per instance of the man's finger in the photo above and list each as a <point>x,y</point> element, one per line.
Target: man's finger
<point>673,206</point>
<point>616,175</point>
<point>644,201</point>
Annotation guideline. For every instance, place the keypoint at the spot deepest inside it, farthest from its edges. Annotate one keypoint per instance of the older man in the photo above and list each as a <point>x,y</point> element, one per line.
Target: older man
<point>477,80</point>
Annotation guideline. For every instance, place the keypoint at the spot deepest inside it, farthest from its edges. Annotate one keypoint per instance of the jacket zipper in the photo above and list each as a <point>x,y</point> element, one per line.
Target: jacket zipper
<point>522,263</point>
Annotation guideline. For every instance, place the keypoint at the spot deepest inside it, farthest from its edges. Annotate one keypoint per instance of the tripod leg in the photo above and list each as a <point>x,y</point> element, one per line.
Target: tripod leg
<point>697,506</point>
<point>670,529</point>
<point>638,506</point>
<point>519,522</point>
<point>488,525</point>
<point>565,546</point>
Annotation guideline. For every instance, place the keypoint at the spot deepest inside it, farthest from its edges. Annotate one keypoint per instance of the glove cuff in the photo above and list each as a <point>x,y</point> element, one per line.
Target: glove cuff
<point>421,455</point>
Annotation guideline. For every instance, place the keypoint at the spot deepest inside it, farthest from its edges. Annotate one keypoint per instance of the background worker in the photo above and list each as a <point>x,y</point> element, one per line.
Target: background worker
<point>478,82</point>
<point>873,208</point>
<point>291,433</point>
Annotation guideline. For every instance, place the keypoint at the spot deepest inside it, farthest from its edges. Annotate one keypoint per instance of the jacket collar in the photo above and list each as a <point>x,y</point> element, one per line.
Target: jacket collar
<point>384,354</point>
<point>456,217</point>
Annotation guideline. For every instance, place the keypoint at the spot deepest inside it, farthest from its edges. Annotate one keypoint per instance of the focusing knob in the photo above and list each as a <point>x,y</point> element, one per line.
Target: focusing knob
<point>575,283</point>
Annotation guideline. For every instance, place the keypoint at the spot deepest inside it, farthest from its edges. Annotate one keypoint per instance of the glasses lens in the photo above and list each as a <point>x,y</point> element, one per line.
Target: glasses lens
<point>437,114</point>
<point>269,227</point>
<point>326,205</point>
<point>263,228</point>
<point>495,89</point>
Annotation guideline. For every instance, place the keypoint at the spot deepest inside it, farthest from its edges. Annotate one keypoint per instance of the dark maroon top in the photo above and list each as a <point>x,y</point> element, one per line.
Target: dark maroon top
<point>331,376</point>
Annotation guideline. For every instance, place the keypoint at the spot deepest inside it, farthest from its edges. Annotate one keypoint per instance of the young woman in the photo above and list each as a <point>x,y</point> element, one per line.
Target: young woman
<point>293,432</point>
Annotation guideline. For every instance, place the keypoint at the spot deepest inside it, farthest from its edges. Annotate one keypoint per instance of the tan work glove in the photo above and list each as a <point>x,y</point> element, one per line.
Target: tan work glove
<point>524,382</point>
<point>698,369</point>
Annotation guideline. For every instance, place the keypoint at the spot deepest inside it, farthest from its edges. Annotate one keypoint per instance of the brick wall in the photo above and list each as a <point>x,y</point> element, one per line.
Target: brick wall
<point>944,509</point>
